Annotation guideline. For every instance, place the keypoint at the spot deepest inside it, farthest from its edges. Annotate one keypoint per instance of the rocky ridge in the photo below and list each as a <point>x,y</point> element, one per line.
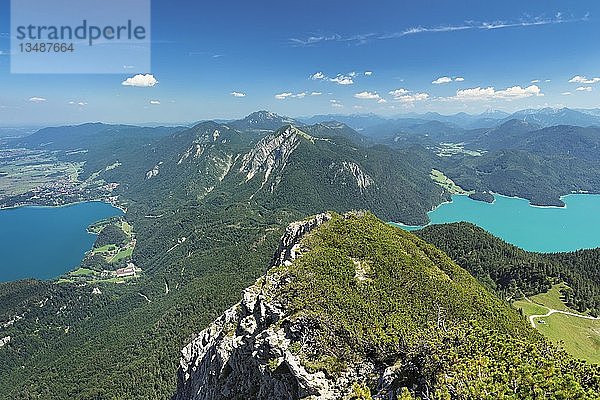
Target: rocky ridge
<point>246,353</point>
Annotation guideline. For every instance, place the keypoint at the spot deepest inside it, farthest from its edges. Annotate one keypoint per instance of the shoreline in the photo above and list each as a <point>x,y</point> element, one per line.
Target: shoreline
<point>121,208</point>
<point>117,206</point>
<point>550,207</point>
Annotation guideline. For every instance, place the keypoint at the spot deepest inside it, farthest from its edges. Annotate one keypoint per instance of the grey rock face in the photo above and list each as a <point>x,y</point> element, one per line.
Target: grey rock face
<point>270,153</point>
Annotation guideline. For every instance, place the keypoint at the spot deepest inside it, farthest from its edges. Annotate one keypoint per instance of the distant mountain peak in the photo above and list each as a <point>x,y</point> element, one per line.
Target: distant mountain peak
<point>549,116</point>
<point>264,120</point>
<point>258,117</point>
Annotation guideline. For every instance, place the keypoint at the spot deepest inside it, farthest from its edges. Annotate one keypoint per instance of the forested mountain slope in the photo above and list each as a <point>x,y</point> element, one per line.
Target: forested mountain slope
<point>352,308</point>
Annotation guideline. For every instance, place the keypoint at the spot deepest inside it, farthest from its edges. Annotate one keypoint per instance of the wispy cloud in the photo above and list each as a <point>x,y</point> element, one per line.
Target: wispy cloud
<point>336,103</point>
<point>238,94</point>
<point>584,89</point>
<point>315,39</point>
<point>37,99</point>
<point>523,22</point>
<point>286,95</point>
<point>584,80</point>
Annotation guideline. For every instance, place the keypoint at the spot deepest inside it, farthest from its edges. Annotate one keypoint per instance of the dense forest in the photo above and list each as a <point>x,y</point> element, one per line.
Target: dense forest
<point>512,272</point>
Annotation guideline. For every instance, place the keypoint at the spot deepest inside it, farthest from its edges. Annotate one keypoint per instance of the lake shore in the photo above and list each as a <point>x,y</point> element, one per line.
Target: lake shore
<point>44,242</point>
<point>545,229</point>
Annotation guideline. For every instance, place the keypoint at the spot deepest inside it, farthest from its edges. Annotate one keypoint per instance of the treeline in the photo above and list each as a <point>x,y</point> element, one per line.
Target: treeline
<point>512,272</point>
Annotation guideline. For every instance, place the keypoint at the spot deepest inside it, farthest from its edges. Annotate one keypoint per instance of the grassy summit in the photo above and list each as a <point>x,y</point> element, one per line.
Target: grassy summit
<point>373,291</point>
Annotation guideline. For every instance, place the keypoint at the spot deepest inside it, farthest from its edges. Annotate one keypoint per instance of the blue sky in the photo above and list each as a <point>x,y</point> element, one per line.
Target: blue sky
<point>226,59</point>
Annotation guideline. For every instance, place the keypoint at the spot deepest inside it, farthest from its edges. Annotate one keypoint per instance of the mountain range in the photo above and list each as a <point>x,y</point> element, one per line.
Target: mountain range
<point>348,306</point>
<point>488,119</point>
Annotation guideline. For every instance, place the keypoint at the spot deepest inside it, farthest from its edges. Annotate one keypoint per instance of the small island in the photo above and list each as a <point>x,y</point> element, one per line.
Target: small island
<point>482,196</point>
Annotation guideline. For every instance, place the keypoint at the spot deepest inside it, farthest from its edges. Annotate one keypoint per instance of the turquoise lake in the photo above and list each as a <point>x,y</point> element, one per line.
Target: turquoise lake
<point>542,229</point>
<point>45,242</point>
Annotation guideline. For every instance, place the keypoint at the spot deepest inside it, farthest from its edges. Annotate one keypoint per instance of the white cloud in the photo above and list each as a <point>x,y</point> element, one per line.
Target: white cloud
<point>535,81</point>
<point>411,98</point>
<point>441,80</point>
<point>518,92</point>
<point>489,93</point>
<point>368,73</point>
<point>382,101</point>
<point>82,103</point>
<point>399,92</point>
<point>238,94</point>
<point>584,89</point>
<point>446,79</point>
<point>155,102</point>
<point>316,93</point>
<point>336,103</point>
<point>352,74</point>
<point>318,76</point>
<point>566,93</point>
<point>140,80</point>
<point>341,79</point>
<point>406,96</point>
<point>283,96</point>
<point>583,80</point>
<point>37,99</point>
<point>367,96</point>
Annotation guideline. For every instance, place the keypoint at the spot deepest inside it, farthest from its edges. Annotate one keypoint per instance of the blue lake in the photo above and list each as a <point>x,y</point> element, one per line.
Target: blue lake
<point>45,242</point>
<point>543,229</point>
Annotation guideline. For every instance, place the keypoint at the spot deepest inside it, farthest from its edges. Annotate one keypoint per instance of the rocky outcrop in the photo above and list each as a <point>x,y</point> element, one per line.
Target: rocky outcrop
<point>5,340</point>
<point>271,152</point>
<point>153,172</point>
<point>350,169</point>
<point>247,353</point>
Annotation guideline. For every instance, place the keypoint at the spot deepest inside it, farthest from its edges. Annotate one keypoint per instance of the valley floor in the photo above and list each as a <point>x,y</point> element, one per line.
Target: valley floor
<point>579,333</point>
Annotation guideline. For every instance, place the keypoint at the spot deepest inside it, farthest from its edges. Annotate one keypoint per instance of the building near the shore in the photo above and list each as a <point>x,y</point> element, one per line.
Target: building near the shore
<point>127,271</point>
